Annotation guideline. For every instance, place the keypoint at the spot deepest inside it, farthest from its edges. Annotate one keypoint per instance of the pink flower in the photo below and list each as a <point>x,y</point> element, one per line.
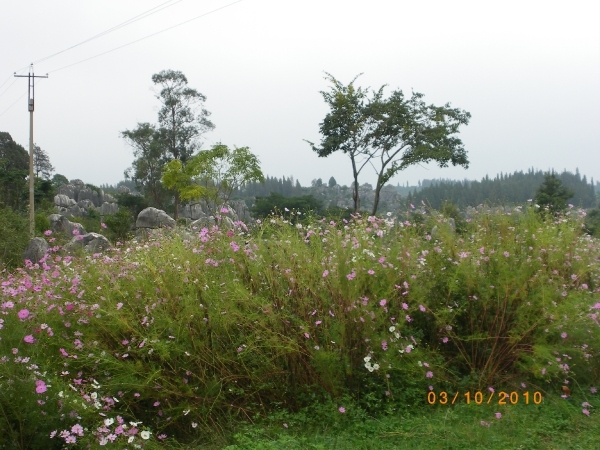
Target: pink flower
<point>156,403</point>
<point>342,409</point>
<point>318,322</point>
<point>48,232</point>
<point>429,374</point>
<point>351,276</point>
<point>498,415</point>
<point>307,336</point>
<point>325,273</point>
<point>23,314</point>
<point>491,389</point>
<point>119,305</point>
<point>77,429</point>
<point>29,339</point>
<point>408,318</point>
<point>384,345</point>
<point>103,225</point>
<point>506,254</point>
<point>371,272</point>
<point>422,308</point>
<point>408,349</point>
<point>382,302</point>
<point>224,210</point>
<point>444,340</point>
<point>586,412</point>
<point>563,335</point>
<point>593,390</point>
<point>40,386</point>
<point>404,306</point>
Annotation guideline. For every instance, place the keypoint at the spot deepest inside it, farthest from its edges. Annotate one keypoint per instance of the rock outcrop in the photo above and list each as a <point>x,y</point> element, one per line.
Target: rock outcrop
<point>61,224</point>
<point>91,242</point>
<point>36,250</point>
<point>154,218</point>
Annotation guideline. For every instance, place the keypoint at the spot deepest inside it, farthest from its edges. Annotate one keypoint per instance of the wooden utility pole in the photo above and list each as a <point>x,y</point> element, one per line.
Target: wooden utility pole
<point>30,91</point>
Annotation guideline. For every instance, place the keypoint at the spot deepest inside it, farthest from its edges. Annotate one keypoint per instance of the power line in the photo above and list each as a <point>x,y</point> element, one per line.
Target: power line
<point>146,37</point>
<point>13,104</point>
<point>9,86</point>
<point>6,81</point>
<point>141,16</point>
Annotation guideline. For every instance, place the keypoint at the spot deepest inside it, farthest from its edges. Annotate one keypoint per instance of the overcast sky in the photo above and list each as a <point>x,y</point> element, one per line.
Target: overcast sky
<point>527,71</point>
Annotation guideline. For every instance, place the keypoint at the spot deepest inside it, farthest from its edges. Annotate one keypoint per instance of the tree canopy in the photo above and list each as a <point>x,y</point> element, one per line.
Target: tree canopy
<point>390,134</point>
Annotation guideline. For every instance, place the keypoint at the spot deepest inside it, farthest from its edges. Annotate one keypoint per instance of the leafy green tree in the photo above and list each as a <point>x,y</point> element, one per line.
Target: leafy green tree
<point>332,182</point>
<point>552,195</point>
<point>182,119</point>
<point>14,169</point>
<point>346,128</point>
<point>150,157</point>
<point>41,163</point>
<point>213,174</point>
<point>58,180</point>
<point>406,132</point>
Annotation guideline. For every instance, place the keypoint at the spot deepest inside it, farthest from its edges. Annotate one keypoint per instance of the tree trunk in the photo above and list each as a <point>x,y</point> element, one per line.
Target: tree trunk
<point>376,200</point>
<point>355,195</point>
<point>176,206</point>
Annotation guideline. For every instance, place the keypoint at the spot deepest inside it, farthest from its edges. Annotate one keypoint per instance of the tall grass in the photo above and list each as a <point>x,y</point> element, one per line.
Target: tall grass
<point>187,335</point>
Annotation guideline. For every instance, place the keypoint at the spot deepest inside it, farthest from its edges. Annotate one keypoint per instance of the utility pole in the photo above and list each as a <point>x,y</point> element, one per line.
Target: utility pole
<point>30,91</point>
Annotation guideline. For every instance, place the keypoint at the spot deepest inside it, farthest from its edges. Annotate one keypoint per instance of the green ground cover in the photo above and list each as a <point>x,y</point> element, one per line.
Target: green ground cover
<point>337,329</point>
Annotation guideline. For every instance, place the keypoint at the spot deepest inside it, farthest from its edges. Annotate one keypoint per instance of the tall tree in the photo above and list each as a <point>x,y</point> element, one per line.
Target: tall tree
<point>552,194</point>
<point>14,169</point>
<point>406,132</point>
<point>346,127</point>
<point>41,163</point>
<point>146,170</point>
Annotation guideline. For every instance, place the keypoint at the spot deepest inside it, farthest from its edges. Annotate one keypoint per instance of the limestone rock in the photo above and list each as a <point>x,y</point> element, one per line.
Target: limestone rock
<point>61,224</point>
<point>123,190</point>
<point>205,222</point>
<point>154,218</point>
<point>61,200</point>
<point>108,208</point>
<point>36,250</point>
<point>91,242</point>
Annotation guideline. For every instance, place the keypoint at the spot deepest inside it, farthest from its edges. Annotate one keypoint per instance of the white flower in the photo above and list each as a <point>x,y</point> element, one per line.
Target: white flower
<point>145,434</point>
<point>376,366</point>
<point>130,440</point>
<point>134,424</point>
<point>194,424</point>
<point>420,364</point>
<point>367,359</point>
<point>370,369</point>
<point>109,422</point>
<point>392,329</point>
<point>397,335</point>
<point>94,395</point>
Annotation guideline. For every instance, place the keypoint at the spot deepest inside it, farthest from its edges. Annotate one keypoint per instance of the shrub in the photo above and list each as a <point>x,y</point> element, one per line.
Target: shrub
<point>118,226</point>
<point>14,237</point>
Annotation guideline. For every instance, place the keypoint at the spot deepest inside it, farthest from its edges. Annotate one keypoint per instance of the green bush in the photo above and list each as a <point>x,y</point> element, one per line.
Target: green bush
<point>14,237</point>
<point>118,226</point>
<point>592,222</point>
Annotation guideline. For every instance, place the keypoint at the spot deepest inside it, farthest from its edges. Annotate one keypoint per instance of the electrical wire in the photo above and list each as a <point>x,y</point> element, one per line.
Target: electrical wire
<point>5,90</point>
<point>146,37</point>
<point>140,16</point>
<point>13,104</point>
<point>6,81</point>
<point>10,85</point>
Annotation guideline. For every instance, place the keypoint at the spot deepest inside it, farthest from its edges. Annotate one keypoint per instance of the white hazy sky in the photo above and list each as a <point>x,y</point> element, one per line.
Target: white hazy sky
<point>528,72</point>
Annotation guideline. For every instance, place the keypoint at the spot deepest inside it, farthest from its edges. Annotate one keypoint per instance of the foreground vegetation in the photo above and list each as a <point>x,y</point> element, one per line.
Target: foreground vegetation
<point>307,333</point>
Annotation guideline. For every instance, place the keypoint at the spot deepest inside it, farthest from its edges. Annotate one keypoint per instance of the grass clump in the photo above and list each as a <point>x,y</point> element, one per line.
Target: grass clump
<point>180,338</point>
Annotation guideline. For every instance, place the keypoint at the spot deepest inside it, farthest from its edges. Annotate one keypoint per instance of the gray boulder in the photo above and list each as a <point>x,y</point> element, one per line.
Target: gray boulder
<point>61,224</point>
<point>36,250</point>
<point>85,204</point>
<point>123,190</point>
<point>154,218</point>
<point>193,211</point>
<point>63,201</point>
<point>204,222</point>
<point>108,208</point>
<point>91,242</point>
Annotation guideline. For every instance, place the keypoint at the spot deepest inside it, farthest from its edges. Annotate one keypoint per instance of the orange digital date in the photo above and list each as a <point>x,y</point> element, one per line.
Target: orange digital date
<point>502,398</point>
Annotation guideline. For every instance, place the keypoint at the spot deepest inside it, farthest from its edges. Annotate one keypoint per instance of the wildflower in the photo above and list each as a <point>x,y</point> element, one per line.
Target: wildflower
<point>586,412</point>
<point>108,422</point>
<point>307,336</point>
<point>103,225</point>
<point>371,272</point>
<point>498,415</point>
<point>145,434</point>
<point>408,318</point>
<point>491,389</point>
<point>156,403</point>
<point>325,273</point>
<point>506,254</point>
<point>384,345</point>
<point>444,339</point>
<point>23,314</point>
<point>429,374</point>
<point>48,232</point>
<point>342,409</point>
<point>484,423</point>
<point>318,322</point>
<point>404,306</point>
<point>351,276</point>
<point>40,387</point>
<point>593,390</point>
<point>422,308</point>
<point>392,329</point>
<point>29,339</point>
<point>382,302</point>
<point>563,335</point>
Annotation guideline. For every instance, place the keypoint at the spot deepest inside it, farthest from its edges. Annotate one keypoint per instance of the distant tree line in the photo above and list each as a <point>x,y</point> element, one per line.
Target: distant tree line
<point>503,189</point>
